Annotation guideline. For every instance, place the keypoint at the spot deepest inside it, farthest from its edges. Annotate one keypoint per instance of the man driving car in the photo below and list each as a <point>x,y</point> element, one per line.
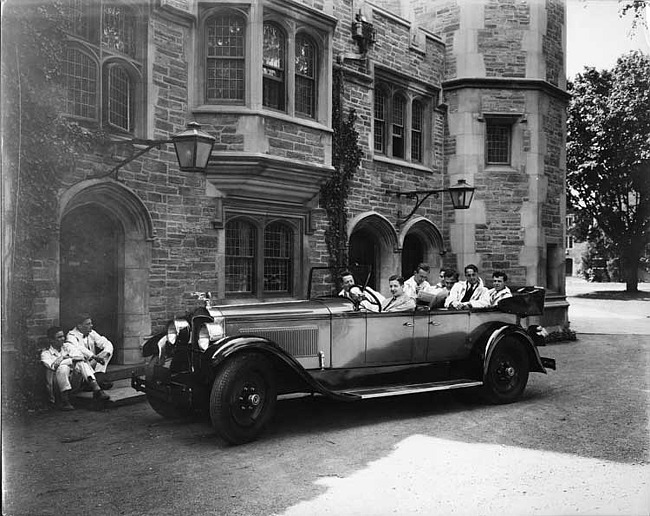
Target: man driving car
<point>357,295</point>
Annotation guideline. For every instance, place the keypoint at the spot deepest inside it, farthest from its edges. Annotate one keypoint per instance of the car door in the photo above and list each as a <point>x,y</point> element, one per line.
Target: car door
<point>389,338</point>
<point>448,335</point>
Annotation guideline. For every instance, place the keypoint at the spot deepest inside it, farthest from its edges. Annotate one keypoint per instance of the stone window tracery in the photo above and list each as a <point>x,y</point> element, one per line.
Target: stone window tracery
<point>225,54</point>
<point>399,123</point>
<point>274,67</point>
<point>102,68</point>
<point>306,66</point>
<point>260,257</point>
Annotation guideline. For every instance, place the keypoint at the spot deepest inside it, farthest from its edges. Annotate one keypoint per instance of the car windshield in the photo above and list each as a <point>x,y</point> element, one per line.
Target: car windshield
<point>326,281</point>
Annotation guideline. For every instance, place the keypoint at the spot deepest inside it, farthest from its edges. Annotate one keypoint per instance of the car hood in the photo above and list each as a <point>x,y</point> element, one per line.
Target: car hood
<point>284,309</point>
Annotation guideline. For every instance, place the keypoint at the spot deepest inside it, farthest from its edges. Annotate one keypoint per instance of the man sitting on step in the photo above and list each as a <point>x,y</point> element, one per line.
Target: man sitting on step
<point>65,366</point>
<point>95,348</point>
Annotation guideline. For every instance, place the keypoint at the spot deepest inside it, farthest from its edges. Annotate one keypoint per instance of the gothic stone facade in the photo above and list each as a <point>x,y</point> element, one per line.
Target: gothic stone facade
<point>448,90</point>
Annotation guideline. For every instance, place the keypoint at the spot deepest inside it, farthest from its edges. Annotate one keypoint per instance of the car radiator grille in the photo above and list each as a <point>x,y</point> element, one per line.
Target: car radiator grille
<point>299,341</point>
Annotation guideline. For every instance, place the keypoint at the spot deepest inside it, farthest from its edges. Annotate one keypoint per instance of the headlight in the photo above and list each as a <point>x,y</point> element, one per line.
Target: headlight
<point>210,332</point>
<point>175,328</point>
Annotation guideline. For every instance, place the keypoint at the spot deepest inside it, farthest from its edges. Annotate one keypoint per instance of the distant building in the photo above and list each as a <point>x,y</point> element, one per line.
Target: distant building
<point>442,89</point>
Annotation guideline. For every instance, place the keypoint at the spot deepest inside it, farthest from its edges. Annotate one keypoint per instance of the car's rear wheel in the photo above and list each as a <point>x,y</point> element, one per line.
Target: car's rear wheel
<point>243,398</point>
<point>507,372</point>
<point>162,407</point>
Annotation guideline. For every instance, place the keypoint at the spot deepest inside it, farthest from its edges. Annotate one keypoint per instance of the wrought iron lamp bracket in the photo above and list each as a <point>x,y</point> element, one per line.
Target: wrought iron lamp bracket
<point>419,195</point>
<point>147,146</point>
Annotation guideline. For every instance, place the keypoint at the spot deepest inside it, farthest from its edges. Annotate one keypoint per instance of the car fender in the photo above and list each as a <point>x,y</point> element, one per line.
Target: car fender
<point>509,330</point>
<point>224,349</point>
<point>155,345</point>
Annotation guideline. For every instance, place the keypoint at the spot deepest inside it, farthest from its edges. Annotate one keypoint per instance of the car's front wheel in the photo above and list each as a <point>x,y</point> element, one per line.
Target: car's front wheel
<point>507,372</point>
<point>243,398</point>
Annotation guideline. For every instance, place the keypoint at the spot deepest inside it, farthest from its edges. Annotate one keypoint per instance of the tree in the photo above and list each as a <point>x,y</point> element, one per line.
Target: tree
<point>638,9</point>
<point>608,158</point>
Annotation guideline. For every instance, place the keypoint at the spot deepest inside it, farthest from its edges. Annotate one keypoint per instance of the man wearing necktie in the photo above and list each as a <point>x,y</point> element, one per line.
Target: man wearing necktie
<point>400,302</point>
<point>470,293</point>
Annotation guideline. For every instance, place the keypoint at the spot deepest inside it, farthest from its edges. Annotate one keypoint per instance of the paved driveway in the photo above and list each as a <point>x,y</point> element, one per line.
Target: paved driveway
<point>577,443</point>
<point>604,308</point>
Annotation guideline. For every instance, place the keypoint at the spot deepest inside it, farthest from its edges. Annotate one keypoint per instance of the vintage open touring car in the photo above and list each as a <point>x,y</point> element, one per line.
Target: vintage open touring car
<point>233,361</point>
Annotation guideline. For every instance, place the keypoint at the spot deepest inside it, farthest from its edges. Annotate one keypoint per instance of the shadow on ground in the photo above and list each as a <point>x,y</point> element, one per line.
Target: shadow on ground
<point>615,295</point>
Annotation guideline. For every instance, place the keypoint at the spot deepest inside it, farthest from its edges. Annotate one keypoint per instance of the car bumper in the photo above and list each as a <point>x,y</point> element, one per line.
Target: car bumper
<point>169,392</point>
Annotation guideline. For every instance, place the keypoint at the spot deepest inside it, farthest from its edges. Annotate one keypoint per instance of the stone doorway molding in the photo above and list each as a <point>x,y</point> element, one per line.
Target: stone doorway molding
<point>431,238</point>
<point>384,232</point>
<point>133,257</point>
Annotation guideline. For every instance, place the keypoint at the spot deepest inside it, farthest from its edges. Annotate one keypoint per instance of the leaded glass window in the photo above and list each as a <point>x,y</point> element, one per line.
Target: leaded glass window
<point>240,257</point>
<point>118,29</point>
<point>398,126</point>
<point>80,73</point>
<point>497,141</point>
<point>416,131</point>
<point>119,98</point>
<point>225,57</point>
<point>100,69</point>
<point>305,76</point>
<point>273,67</point>
<point>380,121</point>
<point>278,245</point>
<point>79,19</point>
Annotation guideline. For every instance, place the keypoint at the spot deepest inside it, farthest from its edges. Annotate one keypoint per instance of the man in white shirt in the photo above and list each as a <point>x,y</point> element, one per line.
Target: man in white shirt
<point>500,290</point>
<point>438,294</point>
<point>65,366</point>
<point>468,294</point>
<point>355,294</point>
<point>417,282</point>
<point>97,349</point>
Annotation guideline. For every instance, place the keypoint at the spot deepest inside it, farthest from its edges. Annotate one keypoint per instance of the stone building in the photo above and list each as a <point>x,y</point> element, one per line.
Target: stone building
<point>442,90</point>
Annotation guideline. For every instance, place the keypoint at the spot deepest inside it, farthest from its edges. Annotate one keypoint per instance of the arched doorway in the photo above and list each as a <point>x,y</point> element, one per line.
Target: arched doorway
<point>90,240</point>
<point>364,257</point>
<point>105,258</point>
<point>413,252</point>
<point>421,243</point>
<point>373,244</point>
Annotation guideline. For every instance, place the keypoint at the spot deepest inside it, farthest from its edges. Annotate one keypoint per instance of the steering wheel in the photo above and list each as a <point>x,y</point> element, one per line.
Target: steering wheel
<point>368,295</point>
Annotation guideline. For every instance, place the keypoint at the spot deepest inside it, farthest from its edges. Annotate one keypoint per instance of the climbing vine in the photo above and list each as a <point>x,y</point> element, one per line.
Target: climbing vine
<point>346,157</point>
<point>40,147</point>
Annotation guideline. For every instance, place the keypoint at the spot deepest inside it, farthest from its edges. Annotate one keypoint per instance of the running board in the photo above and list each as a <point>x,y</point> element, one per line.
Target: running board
<point>397,390</point>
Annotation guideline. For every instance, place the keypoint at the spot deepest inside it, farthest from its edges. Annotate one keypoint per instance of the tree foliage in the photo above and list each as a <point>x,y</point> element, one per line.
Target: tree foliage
<point>638,9</point>
<point>608,158</point>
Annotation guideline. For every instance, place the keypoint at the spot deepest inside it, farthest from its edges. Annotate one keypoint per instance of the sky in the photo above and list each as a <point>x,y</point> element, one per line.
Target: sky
<point>597,36</point>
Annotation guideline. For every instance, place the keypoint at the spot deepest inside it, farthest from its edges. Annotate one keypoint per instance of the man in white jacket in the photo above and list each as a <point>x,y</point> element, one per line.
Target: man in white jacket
<point>65,366</point>
<point>500,290</point>
<point>468,294</point>
<point>97,349</point>
<point>418,282</point>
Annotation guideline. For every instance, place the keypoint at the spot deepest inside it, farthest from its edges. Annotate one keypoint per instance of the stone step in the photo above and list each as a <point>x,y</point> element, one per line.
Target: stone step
<point>120,372</point>
<point>121,394</point>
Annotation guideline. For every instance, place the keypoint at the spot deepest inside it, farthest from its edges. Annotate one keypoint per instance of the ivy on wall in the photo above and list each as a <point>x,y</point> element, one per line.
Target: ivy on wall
<point>346,157</point>
<point>40,147</point>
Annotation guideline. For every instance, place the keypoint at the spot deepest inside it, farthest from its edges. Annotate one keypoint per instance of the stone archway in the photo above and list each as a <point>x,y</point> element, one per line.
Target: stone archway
<point>373,241</point>
<point>421,241</point>
<point>121,237</point>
